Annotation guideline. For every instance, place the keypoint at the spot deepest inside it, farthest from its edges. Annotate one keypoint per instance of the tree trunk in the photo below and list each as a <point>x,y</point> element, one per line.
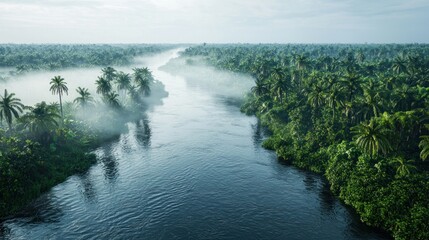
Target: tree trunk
<point>61,107</point>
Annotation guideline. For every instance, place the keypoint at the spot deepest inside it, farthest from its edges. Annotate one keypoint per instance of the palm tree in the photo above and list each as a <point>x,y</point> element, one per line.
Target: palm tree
<point>109,73</point>
<point>143,78</point>
<point>41,120</point>
<point>133,93</point>
<point>103,86</point>
<point>360,56</point>
<point>123,81</point>
<point>58,86</point>
<point>316,95</point>
<point>372,100</point>
<point>260,87</point>
<point>10,107</point>
<point>352,84</point>
<point>84,98</point>
<point>334,98</point>
<point>280,83</point>
<point>112,100</point>
<point>372,138</point>
<point>424,145</point>
<point>399,65</point>
<point>302,63</point>
<point>404,166</point>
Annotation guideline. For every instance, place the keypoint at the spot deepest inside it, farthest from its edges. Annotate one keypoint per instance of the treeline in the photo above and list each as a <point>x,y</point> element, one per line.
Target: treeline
<point>359,114</point>
<point>41,145</point>
<point>30,57</point>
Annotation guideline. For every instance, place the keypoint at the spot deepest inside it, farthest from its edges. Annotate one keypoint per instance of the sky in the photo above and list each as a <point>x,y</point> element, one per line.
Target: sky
<point>214,21</point>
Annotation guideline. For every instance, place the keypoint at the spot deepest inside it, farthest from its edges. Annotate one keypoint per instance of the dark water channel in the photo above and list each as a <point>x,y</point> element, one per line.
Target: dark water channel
<point>192,169</point>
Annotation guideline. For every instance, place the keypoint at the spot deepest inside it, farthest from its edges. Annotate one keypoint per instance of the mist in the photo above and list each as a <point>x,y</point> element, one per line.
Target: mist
<point>203,77</point>
<point>33,87</point>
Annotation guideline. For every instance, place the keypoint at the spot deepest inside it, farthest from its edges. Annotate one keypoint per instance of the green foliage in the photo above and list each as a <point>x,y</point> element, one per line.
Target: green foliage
<point>85,99</point>
<point>51,57</point>
<point>59,86</point>
<point>372,138</point>
<point>143,78</point>
<point>28,168</point>
<point>41,121</point>
<point>424,145</point>
<point>41,152</point>
<point>10,107</point>
<point>353,112</point>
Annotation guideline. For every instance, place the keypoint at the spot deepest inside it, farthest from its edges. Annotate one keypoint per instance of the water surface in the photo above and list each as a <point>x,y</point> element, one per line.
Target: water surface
<point>193,168</point>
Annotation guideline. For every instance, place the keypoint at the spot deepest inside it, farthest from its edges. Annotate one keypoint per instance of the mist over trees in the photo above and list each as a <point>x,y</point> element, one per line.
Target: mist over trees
<point>358,114</point>
<point>31,57</point>
<point>42,145</point>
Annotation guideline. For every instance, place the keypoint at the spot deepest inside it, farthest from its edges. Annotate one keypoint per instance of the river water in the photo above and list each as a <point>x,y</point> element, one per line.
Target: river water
<point>193,168</point>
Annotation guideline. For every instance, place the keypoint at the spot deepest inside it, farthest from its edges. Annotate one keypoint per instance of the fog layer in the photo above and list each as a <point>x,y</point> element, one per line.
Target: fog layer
<point>33,87</point>
<point>200,75</point>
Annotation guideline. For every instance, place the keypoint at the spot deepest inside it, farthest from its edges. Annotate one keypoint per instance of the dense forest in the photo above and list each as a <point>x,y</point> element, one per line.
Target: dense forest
<point>42,145</point>
<point>359,114</point>
<point>25,58</point>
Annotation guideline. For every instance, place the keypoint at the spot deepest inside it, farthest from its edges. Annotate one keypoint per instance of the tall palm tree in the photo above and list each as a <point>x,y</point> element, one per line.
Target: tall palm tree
<point>372,138</point>
<point>143,78</point>
<point>109,73</point>
<point>260,87</point>
<point>316,96</point>
<point>280,83</point>
<point>123,81</point>
<point>352,84</point>
<point>84,98</point>
<point>372,101</point>
<point>103,86</point>
<point>10,107</point>
<point>301,63</point>
<point>334,98</point>
<point>59,86</point>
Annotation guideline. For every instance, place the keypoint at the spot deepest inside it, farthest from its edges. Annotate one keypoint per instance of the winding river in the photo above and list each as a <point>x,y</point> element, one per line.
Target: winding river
<point>193,168</point>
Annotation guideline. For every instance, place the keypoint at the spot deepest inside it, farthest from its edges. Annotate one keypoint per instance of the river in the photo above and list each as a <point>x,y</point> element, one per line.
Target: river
<point>193,168</point>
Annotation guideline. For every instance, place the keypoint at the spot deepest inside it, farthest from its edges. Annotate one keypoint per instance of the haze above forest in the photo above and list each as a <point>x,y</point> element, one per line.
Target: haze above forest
<point>213,21</point>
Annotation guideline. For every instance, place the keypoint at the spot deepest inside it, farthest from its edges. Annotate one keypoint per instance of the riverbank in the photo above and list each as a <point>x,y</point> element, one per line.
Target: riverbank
<point>193,168</point>
<point>347,112</point>
<point>43,150</point>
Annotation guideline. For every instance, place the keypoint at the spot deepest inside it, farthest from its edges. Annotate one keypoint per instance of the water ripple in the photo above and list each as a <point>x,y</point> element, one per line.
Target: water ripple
<point>192,168</point>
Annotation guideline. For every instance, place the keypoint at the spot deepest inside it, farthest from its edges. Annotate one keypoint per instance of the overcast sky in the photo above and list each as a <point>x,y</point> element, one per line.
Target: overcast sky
<point>214,21</point>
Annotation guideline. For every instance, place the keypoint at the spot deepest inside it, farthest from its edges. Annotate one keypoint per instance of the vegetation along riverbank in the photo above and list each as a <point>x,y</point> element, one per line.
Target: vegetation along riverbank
<point>358,114</point>
<point>42,145</point>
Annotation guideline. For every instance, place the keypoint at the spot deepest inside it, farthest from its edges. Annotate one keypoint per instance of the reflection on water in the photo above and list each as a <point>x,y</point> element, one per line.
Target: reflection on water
<point>87,188</point>
<point>143,132</point>
<point>44,210</point>
<point>327,203</point>
<point>110,167</point>
<point>310,182</point>
<point>258,133</point>
<point>192,168</point>
<point>108,162</point>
